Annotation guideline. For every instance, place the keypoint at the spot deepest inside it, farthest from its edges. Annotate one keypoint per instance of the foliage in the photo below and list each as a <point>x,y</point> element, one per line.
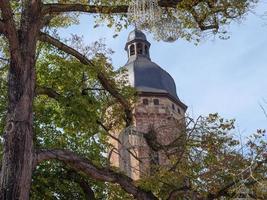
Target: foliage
<point>71,106</point>
<point>212,156</point>
<point>191,20</point>
<point>69,120</point>
<point>212,159</point>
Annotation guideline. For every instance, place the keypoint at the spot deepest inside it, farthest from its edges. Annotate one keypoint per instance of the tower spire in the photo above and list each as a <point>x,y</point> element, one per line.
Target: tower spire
<point>137,45</point>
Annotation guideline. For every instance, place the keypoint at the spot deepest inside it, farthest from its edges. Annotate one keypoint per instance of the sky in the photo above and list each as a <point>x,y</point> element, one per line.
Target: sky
<point>224,76</point>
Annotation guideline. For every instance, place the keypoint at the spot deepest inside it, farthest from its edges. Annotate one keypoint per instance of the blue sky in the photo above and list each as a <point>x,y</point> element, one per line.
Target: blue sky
<point>224,76</point>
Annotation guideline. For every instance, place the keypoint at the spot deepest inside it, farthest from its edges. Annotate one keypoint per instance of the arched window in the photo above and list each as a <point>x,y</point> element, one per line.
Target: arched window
<point>132,50</point>
<point>139,48</point>
<point>146,50</point>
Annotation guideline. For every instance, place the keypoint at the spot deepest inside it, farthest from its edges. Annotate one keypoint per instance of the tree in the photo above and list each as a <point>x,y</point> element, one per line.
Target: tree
<point>25,28</point>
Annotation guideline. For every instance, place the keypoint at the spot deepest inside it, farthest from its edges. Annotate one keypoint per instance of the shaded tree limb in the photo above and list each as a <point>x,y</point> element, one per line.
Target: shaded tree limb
<point>48,92</point>
<point>55,8</point>
<point>2,28</point>
<point>106,83</point>
<point>114,92</point>
<point>98,173</point>
<point>7,25</point>
<point>86,188</point>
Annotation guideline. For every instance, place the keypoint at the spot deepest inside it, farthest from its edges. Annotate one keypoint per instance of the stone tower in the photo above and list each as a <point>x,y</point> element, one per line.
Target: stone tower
<point>158,106</point>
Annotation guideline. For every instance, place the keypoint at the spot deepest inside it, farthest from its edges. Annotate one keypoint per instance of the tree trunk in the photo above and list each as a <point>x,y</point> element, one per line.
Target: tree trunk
<point>18,152</point>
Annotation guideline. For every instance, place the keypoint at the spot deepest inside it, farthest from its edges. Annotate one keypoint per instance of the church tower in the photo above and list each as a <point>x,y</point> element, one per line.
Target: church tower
<point>158,107</point>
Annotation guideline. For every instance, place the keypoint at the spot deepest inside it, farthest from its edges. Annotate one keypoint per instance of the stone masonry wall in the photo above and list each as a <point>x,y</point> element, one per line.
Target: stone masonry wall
<point>134,157</point>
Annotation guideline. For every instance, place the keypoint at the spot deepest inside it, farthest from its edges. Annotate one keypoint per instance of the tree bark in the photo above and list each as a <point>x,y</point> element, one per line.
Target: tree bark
<point>55,8</point>
<point>83,165</point>
<point>2,28</point>
<point>18,153</point>
<point>18,137</point>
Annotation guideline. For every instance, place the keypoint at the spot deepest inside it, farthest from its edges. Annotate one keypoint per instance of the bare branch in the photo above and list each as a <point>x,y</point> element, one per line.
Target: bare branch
<point>98,173</point>
<point>106,83</point>
<point>94,88</point>
<point>263,110</point>
<point>117,140</point>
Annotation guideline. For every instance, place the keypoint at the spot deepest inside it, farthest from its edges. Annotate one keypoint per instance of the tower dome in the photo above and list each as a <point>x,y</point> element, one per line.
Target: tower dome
<point>144,75</point>
<point>136,35</point>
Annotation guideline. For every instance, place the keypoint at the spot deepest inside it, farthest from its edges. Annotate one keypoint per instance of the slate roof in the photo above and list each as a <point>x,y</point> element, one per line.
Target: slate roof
<point>136,35</point>
<point>146,76</point>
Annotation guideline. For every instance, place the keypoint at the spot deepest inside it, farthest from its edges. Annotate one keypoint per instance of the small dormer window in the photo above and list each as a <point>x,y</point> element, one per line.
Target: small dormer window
<point>156,101</point>
<point>145,101</point>
<point>139,48</point>
<point>132,50</point>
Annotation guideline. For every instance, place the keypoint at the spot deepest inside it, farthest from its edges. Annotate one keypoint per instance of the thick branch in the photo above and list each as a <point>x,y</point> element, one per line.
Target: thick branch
<point>47,91</point>
<point>2,28</point>
<point>101,76</point>
<point>8,27</point>
<point>114,92</point>
<point>59,8</point>
<point>86,188</point>
<point>103,9</point>
<point>88,192</point>
<point>102,174</point>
